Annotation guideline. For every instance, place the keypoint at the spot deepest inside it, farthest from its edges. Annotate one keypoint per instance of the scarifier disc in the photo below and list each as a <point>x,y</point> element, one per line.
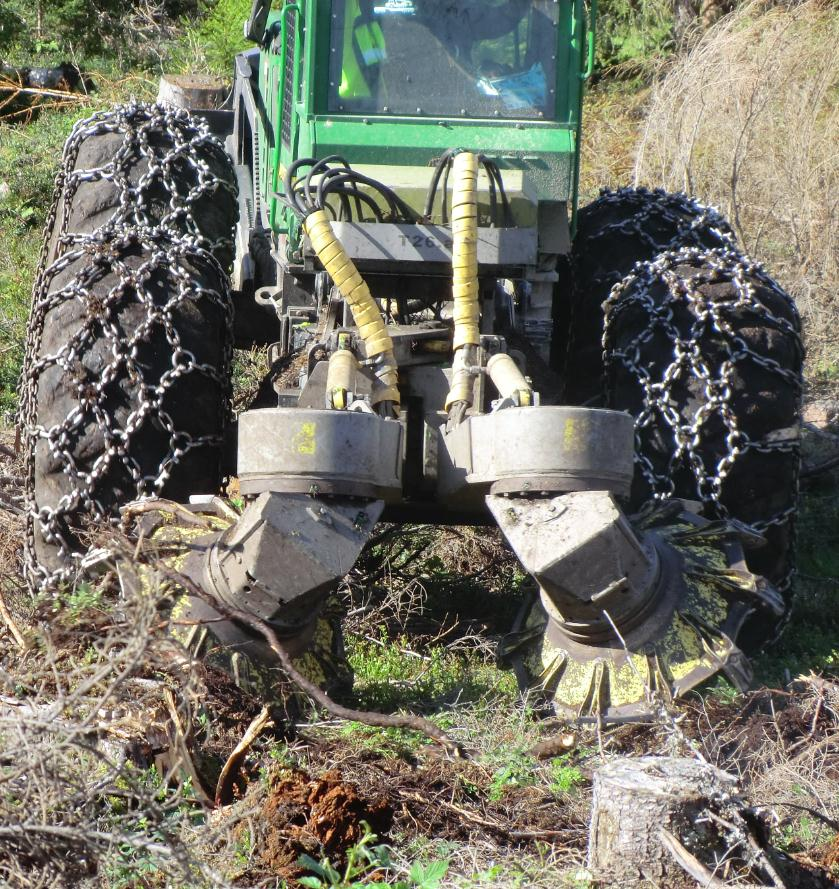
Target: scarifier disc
<point>176,540</point>
<point>706,594</point>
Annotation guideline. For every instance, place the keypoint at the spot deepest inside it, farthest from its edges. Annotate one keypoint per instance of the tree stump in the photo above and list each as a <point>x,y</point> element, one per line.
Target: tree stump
<point>639,805</point>
<point>193,91</point>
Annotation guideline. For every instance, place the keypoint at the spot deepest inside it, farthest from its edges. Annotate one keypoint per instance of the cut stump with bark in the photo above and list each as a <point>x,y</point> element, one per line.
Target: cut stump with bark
<point>193,91</point>
<point>640,805</point>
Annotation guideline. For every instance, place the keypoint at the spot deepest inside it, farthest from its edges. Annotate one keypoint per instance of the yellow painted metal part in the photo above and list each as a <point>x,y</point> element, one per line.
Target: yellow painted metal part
<point>340,378</point>
<point>365,310</point>
<point>508,379</point>
<point>690,648</point>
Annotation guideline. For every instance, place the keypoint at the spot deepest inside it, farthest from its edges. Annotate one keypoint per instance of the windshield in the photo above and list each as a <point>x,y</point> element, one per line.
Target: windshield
<point>447,58</point>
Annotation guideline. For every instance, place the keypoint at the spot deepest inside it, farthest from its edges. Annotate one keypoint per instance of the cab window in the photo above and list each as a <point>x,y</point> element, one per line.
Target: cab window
<point>448,58</point>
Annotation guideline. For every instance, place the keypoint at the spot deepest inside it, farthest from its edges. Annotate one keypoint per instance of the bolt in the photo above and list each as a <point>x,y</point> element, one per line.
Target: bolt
<point>361,521</point>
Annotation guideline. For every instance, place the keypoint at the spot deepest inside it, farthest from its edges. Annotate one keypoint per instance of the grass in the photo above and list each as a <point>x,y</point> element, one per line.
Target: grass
<point>811,641</point>
<point>28,159</point>
<point>391,673</point>
<point>748,121</point>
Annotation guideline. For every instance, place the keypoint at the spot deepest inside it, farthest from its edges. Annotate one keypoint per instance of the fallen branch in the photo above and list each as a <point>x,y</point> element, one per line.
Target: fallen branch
<point>556,745</point>
<point>692,866</point>
<point>10,507</point>
<point>179,744</point>
<point>10,623</point>
<point>366,717</point>
<point>496,826</point>
<point>832,823</point>
<point>819,468</point>
<point>224,786</point>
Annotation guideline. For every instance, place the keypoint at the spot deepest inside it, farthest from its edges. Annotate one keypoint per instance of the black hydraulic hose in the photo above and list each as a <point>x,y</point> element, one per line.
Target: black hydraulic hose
<point>304,198</point>
<point>442,163</point>
<point>445,197</point>
<point>320,166</point>
<point>398,208</point>
<point>289,183</point>
<point>493,197</point>
<point>341,182</point>
<point>326,181</point>
<point>403,210</point>
<point>359,196</point>
<point>505,201</point>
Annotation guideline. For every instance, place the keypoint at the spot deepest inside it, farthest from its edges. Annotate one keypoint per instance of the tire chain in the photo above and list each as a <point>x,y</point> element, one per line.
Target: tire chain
<point>171,243</point>
<point>690,220</point>
<point>636,290</point>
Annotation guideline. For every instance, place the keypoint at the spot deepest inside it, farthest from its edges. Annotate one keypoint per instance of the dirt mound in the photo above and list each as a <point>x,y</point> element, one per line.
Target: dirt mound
<point>317,816</point>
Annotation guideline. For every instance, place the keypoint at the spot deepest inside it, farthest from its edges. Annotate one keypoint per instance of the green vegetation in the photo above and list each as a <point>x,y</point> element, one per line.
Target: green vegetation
<point>634,34</point>
<point>213,37</point>
<point>447,675</point>
<point>368,859</point>
<point>811,641</point>
<point>28,160</point>
<point>391,673</point>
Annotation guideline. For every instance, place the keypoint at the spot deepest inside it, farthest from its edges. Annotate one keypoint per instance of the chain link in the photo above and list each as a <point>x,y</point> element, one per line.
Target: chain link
<point>668,292</point>
<point>146,254</point>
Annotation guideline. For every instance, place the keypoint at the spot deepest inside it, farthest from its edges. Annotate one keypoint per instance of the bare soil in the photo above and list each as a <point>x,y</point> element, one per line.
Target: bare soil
<point>317,816</point>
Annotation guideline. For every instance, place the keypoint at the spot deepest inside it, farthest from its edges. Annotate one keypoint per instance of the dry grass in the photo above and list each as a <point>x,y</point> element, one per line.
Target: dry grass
<point>749,121</point>
<point>613,116</point>
<point>84,704</point>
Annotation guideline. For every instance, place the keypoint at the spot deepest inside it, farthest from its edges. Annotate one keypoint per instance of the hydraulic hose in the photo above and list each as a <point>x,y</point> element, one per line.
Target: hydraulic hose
<point>365,310</point>
<point>465,276</point>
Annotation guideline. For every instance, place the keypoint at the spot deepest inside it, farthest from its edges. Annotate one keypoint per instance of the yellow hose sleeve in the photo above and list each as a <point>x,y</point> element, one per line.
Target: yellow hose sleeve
<point>365,311</point>
<point>342,270</point>
<point>466,313</point>
<point>465,250</point>
<point>462,385</point>
<point>340,378</point>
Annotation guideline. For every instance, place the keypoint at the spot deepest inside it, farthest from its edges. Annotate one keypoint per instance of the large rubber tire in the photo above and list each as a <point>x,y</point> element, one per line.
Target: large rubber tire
<point>704,349</point>
<point>125,388</point>
<point>144,167</point>
<point>615,232</point>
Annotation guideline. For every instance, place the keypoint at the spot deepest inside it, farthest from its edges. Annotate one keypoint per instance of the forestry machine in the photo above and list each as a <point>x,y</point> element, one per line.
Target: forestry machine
<point>387,202</point>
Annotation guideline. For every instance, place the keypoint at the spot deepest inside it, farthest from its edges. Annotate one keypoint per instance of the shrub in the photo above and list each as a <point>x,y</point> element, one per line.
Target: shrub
<point>633,31</point>
<point>214,37</point>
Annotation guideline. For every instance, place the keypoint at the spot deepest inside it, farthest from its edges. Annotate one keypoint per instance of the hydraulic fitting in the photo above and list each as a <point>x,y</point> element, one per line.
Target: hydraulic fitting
<point>365,310</point>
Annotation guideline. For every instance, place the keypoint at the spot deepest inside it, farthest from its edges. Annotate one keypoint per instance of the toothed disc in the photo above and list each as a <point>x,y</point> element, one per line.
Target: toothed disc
<point>707,595</point>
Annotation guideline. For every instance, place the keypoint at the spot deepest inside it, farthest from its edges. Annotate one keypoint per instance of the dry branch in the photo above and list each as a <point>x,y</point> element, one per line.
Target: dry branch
<point>411,722</point>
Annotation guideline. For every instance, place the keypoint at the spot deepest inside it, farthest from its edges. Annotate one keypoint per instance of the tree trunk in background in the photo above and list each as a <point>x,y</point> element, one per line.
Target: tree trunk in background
<point>684,13</point>
<point>634,801</point>
<point>711,11</point>
<point>195,91</point>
